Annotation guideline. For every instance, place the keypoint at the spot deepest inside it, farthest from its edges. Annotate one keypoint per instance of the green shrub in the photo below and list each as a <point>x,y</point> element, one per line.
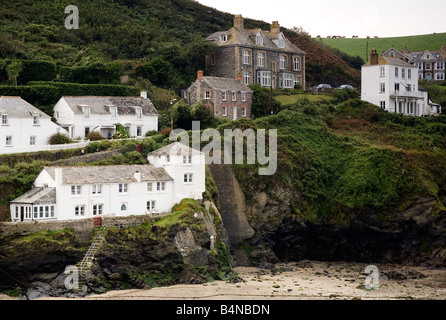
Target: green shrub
<point>59,138</point>
<point>94,136</point>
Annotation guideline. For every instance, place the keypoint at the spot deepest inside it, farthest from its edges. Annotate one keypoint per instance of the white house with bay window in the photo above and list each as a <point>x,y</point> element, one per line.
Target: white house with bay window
<point>175,172</point>
<point>392,84</point>
<point>80,115</point>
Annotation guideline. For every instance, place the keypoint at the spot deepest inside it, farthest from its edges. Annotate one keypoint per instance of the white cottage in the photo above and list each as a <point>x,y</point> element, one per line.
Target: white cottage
<point>23,127</point>
<point>392,84</point>
<point>80,115</point>
<point>67,193</point>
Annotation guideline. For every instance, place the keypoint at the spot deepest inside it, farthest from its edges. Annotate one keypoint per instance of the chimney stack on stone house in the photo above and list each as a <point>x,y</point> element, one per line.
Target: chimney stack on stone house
<point>239,22</point>
<point>199,75</point>
<point>373,57</point>
<point>275,27</point>
<point>240,77</point>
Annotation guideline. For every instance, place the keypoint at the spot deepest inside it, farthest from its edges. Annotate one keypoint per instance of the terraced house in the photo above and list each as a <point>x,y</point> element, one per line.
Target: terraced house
<point>260,56</point>
<point>431,64</point>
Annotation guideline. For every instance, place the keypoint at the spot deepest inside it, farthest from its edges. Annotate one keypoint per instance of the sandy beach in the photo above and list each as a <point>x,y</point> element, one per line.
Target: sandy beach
<point>305,280</point>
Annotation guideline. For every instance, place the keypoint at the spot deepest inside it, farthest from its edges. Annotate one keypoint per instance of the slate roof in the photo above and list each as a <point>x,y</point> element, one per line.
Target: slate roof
<point>38,196</point>
<point>226,84</point>
<point>176,148</point>
<point>247,37</point>
<point>16,107</point>
<point>382,60</point>
<point>109,174</point>
<point>100,105</point>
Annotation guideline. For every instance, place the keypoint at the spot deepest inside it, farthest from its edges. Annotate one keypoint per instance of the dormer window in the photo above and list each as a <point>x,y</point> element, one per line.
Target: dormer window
<point>259,39</point>
<point>281,42</point>
<point>223,38</point>
<point>86,111</point>
<point>138,113</point>
<point>113,112</point>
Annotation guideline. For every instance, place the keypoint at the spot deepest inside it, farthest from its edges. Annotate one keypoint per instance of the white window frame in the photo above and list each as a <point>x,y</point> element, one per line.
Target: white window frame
<point>187,159</point>
<point>382,72</point>
<point>5,121</point>
<point>123,188</point>
<point>149,187</point>
<point>382,87</point>
<point>288,80</point>
<point>36,120</point>
<point>79,210</point>
<point>296,63</point>
<point>282,62</point>
<point>261,59</point>
<point>113,112</point>
<point>151,205</point>
<point>32,140</point>
<point>234,96</point>
<point>207,94</point>
<point>161,186</point>
<point>96,189</point>
<point>97,209</point>
<point>223,37</point>
<point>139,131</point>
<point>382,104</point>
<point>243,111</point>
<point>86,111</point>
<point>224,111</point>
<point>396,72</point>
<point>188,177</point>
<point>75,190</point>
<point>246,57</point>
<point>246,77</point>
<point>264,78</point>
<point>243,96</point>
<point>138,113</point>
<point>403,73</point>
<point>223,95</point>
<point>259,39</point>
<point>281,42</point>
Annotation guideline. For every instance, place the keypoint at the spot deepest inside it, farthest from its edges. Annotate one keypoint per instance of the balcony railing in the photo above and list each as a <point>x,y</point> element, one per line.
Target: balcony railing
<point>406,94</point>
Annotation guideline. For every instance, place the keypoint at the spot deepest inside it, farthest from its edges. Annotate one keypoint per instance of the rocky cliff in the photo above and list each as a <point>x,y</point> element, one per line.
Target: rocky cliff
<point>187,246</point>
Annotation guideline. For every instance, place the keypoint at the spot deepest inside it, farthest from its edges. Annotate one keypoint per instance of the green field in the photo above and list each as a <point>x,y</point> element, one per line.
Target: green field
<point>358,47</point>
<point>286,100</point>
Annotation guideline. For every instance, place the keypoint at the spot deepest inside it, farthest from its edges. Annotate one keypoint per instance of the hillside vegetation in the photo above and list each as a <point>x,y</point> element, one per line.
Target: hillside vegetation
<point>138,37</point>
<point>358,47</point>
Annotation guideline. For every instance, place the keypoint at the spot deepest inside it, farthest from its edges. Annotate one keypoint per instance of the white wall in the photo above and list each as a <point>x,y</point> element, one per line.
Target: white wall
<point>21,129</point>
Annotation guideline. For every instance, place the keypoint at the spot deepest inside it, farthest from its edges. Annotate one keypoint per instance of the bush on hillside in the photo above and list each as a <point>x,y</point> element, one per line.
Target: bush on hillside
<point>59,138</point>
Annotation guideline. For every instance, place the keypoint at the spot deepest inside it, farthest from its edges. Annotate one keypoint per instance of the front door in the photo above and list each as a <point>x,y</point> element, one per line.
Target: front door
<point>22,213</point>
<point>234,113</point>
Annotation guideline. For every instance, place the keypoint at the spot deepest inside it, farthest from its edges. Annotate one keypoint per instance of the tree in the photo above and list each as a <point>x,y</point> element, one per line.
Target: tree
<point>13,70</point>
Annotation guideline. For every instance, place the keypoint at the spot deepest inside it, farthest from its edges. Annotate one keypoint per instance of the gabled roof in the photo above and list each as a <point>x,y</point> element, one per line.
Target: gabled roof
<point>175,148</point>
<point>100,105</point>
<point>109,174</point>
<point>382,60</point>
<point>16,107</point>
<point>247,37</point>
<point>37,196</point>
<point>226,84</point>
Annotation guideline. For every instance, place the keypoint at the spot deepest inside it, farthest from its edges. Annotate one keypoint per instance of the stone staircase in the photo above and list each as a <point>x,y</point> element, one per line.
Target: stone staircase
<point>87,261</point>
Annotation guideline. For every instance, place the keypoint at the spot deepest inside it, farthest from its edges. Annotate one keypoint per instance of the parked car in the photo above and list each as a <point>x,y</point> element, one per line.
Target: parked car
<point>324,86</point>
<point>346,87</point>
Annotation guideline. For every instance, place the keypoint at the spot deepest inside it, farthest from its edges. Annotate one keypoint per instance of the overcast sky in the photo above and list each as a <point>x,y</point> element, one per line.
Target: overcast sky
<point>383,18</point>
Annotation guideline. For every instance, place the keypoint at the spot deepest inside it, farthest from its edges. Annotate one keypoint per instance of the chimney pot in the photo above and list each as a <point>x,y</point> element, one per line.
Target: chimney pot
<point>373,57</point>
<point>199,75</point>
<point>275,27</point>
<point>240,77</point>
<point>239,22</point>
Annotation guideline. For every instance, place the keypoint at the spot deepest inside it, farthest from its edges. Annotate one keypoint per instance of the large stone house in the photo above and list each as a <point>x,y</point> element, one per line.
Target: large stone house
<point>431,64</point>
<point>174,172</point>
<point>23,127</point>
<point>227,98</point>
<point>80,115</point>
<point>260,56</point>
<point>392,84</point>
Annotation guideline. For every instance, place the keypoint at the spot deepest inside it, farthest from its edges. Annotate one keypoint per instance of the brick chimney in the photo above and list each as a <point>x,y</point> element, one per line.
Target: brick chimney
<point>373,57</point>
<point>405,50</point>
<point>239,77</point>
<point>199,75</point>
<point>275,27</point>
<point>239,22</point>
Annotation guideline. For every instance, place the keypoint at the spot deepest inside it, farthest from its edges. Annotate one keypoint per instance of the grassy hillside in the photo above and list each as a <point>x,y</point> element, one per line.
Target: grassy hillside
<point>358,47</point>
<point>134,32</point>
